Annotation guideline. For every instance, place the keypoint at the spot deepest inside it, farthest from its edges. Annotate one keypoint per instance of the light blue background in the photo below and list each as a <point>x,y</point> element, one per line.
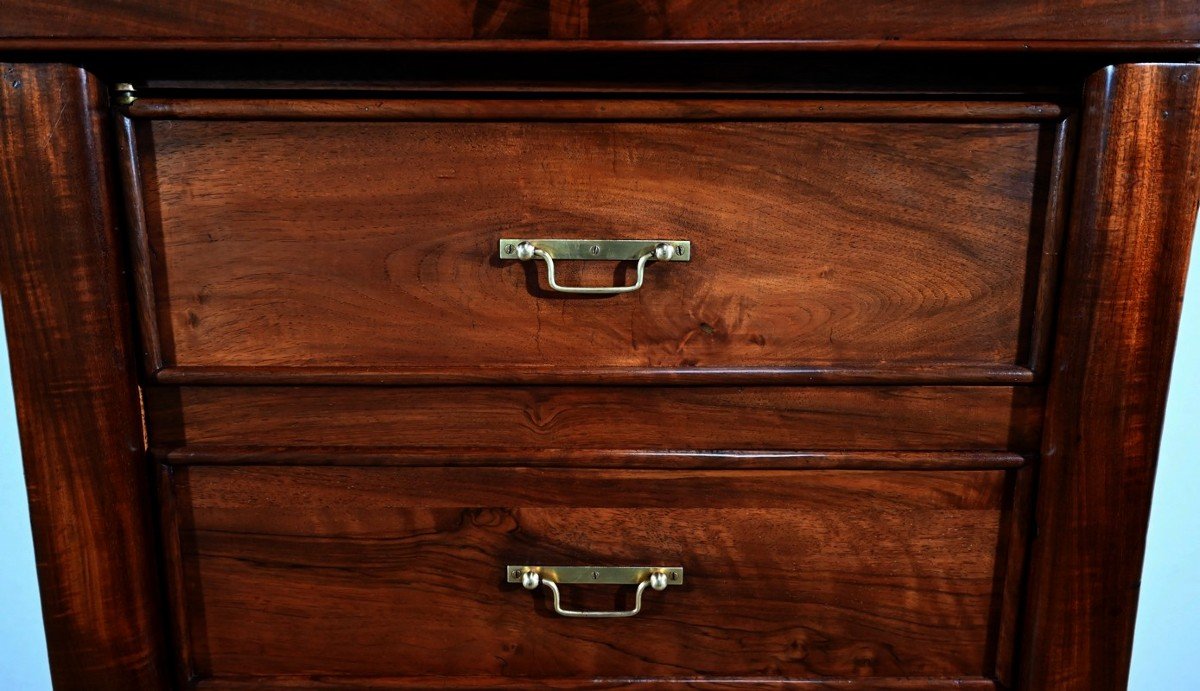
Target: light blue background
<point>23,663</point>
<point>1166,643</point>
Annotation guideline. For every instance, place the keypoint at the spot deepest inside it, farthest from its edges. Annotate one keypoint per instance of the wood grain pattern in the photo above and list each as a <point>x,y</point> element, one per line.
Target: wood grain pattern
<point>373,245</point>
<point>69,339</point>
<point>1138,189</point>
<point>703,418</point>
<point>878,20</point>
<point>400,571</point>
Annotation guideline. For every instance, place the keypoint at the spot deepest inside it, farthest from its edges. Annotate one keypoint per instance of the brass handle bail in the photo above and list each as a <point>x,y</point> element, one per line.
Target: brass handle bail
<point>641,251</point>
<point>654,577</point>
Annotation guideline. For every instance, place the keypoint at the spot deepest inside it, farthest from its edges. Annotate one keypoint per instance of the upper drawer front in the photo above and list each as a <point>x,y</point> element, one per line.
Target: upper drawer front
<point>817,244</point>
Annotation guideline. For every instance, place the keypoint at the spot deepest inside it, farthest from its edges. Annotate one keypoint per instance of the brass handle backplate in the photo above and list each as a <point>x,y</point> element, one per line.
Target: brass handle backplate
<point>641,251</point>
<point>656,577</point>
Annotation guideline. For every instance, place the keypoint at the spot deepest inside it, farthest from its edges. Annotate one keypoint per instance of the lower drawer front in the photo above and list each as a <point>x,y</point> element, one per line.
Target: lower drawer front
<point>389,572</point>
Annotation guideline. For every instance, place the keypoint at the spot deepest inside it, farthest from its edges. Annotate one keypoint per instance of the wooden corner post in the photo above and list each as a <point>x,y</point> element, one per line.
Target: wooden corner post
<point>1137,186</point>
<point>73,377</point>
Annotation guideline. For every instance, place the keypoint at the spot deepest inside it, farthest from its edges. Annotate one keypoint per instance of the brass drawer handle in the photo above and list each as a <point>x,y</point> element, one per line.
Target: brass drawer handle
<point>656,577</point>
<point>590,250</point>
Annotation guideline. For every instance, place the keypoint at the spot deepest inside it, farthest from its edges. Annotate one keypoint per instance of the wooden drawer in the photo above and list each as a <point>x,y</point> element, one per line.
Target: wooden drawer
<point>285,240</point>
<point>361,575</point>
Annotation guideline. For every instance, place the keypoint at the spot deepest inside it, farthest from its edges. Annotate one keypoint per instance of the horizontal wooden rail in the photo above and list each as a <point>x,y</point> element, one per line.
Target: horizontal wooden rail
<point>216,454</point>
<point>360,45</point>
<point>608,108</point>
<point>966,374</point>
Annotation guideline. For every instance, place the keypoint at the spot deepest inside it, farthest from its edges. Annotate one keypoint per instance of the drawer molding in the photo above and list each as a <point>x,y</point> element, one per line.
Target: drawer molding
<point>1015,356</point>
<point>651,109</point>
<point>916,374</point>
<point>348,682</point>
<point>217,454</point>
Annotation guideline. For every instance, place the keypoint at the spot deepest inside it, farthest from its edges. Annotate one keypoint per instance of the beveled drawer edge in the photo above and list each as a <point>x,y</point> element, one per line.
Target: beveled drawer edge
<point>357,682</point>
<point>1180,46</point>
<point>633,459</point>
<point>611,108</point>
<point>955,373</point>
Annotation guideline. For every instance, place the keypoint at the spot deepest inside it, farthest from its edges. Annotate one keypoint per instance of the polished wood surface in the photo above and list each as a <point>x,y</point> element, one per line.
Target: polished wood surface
<point>881,21</point>
<point>72,373</point>
<point>986,418</point>
<point>1138,190</point>
<point>373,245</point>
<point>317,571</point>
<point>287,419</point>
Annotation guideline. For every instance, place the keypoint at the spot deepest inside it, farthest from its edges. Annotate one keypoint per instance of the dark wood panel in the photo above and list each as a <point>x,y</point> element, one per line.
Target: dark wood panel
<point>816,244</point>
<point>1138,188</point>
<point>170,560</point>
<point>69,340</point>
<point>880,20</point>
<point>401,571</point>
<point>783,418</point>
